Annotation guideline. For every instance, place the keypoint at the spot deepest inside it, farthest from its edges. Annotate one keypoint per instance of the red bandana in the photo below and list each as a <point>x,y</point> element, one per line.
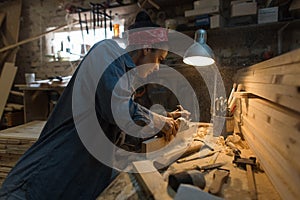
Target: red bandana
<point>148,37</point>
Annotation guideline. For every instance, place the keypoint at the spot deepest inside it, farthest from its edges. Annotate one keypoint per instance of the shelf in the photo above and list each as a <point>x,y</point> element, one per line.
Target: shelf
<point>293,24</point>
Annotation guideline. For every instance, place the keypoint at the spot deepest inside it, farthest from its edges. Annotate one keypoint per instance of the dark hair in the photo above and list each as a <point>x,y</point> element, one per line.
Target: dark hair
<point>142,20</point>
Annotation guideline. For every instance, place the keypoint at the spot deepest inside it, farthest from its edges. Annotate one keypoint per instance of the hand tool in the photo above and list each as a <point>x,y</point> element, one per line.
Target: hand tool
<point>231,93</point>
<point>164,161</point>
<point>98,14</point>
<point>214,158</point>
<point>235,150</point>
<point>80,23</point>
<point>205,143</point>
<point>219,178</point>
<point>198,157</point>
<point>206,167</point>
<point>217,106</point>
<point>101,19</point>
<point>79,10</point>
<point>110,21</point>
<point>191,192</point>
<point>93,10</point>
<point>220,106</point>
<point>232,104</point>
<point>183,124</point>
<point>86,24</point>
<point>223,106</point>
<point>104,14</point>
<point>192,177</point>
<point>248,163</point>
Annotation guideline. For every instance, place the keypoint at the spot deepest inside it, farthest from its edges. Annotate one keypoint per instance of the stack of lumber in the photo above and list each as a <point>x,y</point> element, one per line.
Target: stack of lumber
<point>270,121</point>
<point>14,142</point>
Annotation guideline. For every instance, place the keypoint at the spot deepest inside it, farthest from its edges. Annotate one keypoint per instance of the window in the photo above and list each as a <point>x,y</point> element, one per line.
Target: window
<point>69,45</point>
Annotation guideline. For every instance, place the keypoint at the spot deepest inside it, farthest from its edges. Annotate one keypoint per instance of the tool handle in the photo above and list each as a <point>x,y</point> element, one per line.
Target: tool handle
<point>231,93</point>
<point>220,177</point>
<point>98,16</point>
<point>166,160</point>
<point>110,21</point>
<point>232,103</point>
<point>251,182</point>
<point>86,24</point>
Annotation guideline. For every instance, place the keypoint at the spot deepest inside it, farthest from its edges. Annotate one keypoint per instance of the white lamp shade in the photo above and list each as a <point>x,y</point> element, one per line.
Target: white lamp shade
<point>199,53</point>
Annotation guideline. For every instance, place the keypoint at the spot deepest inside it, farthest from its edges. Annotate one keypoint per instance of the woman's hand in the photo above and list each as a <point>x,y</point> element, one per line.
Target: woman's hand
<point>170,128</point>
<point>167,125</point>
<point>180,112</point>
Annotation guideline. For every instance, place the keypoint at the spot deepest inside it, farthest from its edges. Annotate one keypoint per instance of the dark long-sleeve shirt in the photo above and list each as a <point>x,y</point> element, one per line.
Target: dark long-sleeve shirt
<point>60,165</point>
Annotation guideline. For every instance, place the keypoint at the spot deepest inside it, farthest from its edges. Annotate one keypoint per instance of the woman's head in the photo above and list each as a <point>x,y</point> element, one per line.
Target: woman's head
<point>147,44</point>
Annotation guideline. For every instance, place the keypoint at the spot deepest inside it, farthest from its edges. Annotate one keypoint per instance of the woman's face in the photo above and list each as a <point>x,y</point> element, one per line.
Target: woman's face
<point>149,61</point>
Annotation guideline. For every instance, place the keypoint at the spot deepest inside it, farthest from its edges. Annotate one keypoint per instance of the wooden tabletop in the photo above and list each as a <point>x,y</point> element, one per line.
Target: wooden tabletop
<point>128,186</point>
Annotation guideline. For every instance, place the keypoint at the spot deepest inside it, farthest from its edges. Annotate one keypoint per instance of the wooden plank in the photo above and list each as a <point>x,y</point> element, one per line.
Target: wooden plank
<point>285,150</point>
<point>287,58</point>
<point>152,181</point>
<point>29,131</point>
<point>287,79</point>
<point>295,5</point>
<point>21,94</point>
<point>275,122</point>
<point>273,89</point>
<point>6,81</point>
<point>153,144</point>
<point>289,118</point>
<point>287,96</point>
<point>285,185</point>
<point>33,38</point>
<point>277,128</point>
<point>12,25</point>
<point>273,70</point>
<point>123,187</point>
<point>13,14</point>
<point>272,130</point>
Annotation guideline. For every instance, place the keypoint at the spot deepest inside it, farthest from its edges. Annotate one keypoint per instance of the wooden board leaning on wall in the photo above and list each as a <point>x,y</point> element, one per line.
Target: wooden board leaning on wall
<point>270,121</point>
<point>276,79</point>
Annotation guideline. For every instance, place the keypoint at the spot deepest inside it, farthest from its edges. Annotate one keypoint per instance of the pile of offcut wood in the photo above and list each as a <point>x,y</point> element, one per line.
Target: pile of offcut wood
<point>14,142</point>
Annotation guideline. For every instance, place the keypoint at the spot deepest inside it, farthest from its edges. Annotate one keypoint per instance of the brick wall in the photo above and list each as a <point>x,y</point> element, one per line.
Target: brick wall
<point>234,48</point>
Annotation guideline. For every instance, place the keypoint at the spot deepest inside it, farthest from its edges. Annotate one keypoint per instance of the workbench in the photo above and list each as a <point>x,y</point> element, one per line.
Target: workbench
<point>129,186</point>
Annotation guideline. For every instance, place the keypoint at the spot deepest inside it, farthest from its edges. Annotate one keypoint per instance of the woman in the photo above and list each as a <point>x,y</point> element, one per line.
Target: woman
<point>60,165</point>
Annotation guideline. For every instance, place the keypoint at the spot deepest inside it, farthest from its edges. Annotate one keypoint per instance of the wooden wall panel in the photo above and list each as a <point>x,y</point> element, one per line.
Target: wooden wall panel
<point>270,119</point>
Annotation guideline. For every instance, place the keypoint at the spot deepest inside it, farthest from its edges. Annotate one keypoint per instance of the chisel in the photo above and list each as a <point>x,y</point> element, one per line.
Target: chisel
<point>199,157</point>
<point>206,167</point>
